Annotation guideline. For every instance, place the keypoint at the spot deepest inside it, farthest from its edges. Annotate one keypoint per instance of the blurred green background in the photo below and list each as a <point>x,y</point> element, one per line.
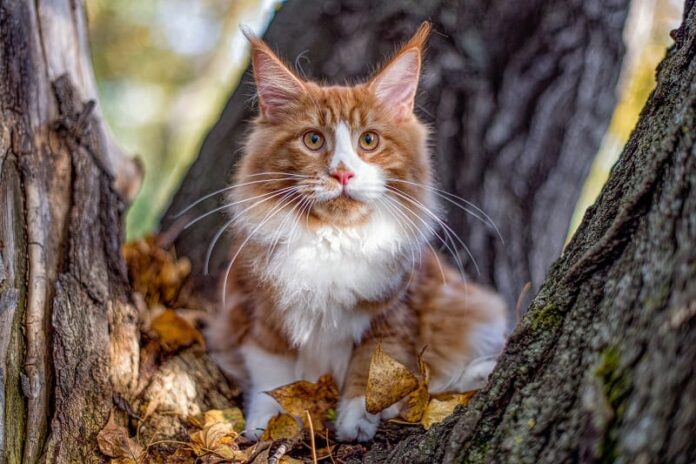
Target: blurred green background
<point>165,69</point>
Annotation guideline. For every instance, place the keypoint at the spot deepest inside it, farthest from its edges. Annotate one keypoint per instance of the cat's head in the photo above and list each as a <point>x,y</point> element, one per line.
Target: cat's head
<point>333,154</point>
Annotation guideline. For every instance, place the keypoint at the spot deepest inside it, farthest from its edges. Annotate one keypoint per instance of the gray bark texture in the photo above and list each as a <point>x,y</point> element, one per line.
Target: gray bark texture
<point>68,332</point>
<point>603,366</point>
<point>518,95</point>
<point>70,352</point>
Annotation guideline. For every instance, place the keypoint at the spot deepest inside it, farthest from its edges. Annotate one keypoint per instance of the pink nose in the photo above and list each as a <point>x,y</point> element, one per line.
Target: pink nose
<point>342,175</point>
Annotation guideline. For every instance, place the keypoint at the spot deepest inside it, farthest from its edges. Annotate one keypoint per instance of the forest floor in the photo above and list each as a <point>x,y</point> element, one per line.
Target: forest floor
<point>184,410</point>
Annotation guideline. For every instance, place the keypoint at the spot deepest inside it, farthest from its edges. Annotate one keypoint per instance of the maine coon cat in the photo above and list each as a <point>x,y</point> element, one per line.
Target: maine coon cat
<point>332,213</point>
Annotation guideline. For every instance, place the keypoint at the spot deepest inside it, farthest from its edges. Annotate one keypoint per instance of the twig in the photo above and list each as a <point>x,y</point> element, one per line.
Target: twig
<point>328,447</point>
<point>278,453</point>
<point>311,437</point>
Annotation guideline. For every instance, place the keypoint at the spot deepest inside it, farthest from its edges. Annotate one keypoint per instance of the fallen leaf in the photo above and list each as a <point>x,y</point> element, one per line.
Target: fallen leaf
<point>289,460</point>
<point>325,452</point>
<point>175,333</point>
<point>317,398</point>
<point>233,416</point>
<point>442,406</point>
<point>114,441</point>
<point>388,381</point>
<point>212,437</point>
<point>216,442</point>
<point>154,272</point>
<point>123,461</point>
<point>417,400</point>
<point>182,455</point>
<point>282,426</point>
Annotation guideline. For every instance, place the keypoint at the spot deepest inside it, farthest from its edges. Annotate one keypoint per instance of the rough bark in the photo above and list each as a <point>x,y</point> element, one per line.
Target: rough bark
<point>518,95</point>
<point>601,369</point>
<point>68,331</point>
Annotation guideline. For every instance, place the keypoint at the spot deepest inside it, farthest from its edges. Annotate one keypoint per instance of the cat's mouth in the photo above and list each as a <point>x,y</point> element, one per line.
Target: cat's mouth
<point>343,208</point>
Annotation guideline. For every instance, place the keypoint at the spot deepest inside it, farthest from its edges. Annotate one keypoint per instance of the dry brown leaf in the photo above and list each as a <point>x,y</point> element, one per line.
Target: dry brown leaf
<point>441,406</point>
<point>123,461</point>
<point>154,272</point>
<point>317,398</point>
<point>182,455</point>
<point>218,438</point>
<point>417,400</point>
<point>289,460</point>
<point>175,333</point>
<point>114,442</point>
<point>282,426</point>
<point>388,381</point>
<point>325,452</point>
<point>233,416</point>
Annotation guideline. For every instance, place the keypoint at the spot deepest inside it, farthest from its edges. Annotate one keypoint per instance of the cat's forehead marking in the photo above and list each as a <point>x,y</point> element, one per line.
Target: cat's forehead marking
<point>338,104</point>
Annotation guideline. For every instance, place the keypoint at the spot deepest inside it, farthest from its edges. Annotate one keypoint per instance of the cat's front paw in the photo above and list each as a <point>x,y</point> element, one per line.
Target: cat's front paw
<point>353,422</point>
<point>261,409</point>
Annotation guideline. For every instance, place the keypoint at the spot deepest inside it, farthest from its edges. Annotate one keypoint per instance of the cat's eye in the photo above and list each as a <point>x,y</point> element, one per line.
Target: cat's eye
<point>369,140</point>
<point>313,140</point>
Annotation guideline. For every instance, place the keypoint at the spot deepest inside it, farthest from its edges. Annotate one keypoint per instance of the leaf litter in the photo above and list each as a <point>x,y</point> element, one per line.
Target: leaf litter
<point>303,432</point>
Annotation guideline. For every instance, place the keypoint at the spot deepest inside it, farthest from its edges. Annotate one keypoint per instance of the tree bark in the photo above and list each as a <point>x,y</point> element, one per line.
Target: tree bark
<point>518,95</point>
<point>601,369</point>
<point>68,331</point>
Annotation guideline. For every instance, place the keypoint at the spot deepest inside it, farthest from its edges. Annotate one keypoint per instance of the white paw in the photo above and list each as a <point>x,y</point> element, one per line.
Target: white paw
<point>391,412</point>
<point>261,408</point>
<point>476,374</point>
<point>353,422</point>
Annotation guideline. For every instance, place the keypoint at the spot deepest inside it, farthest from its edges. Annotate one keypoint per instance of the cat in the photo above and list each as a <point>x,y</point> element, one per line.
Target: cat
<point>332,210</point>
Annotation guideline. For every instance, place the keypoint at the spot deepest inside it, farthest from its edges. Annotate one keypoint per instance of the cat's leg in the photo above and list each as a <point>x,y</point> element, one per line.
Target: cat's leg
<point>266,371</point>
<point>464,327</point>
<point>353,422</point>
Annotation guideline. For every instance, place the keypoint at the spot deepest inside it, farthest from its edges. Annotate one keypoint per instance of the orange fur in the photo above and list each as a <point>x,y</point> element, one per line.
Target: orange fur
<point>287,202</point>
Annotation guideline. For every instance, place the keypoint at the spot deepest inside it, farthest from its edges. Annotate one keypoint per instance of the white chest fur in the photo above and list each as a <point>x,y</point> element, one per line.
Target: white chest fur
<point>321,275</point>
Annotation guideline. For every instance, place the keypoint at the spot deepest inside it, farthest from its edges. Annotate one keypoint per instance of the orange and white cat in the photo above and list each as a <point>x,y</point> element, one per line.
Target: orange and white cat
<point>332,211</point>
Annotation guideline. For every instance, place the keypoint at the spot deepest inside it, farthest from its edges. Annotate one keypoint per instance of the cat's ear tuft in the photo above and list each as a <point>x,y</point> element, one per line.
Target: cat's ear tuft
<point>276,84</point>
<point>396,84</point>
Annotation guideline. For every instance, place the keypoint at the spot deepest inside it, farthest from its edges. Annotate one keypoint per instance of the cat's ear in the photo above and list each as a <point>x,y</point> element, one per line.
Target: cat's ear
<point>396,84</point>
<point>276,85</point>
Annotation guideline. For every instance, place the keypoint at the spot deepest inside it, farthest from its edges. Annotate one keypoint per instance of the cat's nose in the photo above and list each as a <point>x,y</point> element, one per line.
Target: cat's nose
<point>342,175</point>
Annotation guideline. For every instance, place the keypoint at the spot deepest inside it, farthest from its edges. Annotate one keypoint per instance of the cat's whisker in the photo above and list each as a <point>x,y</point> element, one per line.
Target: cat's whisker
<point>229,205</point>
<point>279,173</point>
<point>451,249</point>
<point>447,229</point>
<point>223,228</point>
<point>309,210</point>
<point>274,211</point>
<point>225,189</point>
<point>451,197</point>
<point>289,217</point>
<point>304,206</point>
<point>398,207</point>
<point>400,223</point>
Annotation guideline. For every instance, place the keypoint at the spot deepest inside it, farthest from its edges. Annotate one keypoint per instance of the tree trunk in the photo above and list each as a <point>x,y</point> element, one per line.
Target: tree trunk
<point>602,367</point>
<point>68,332</point>
<point>518,94</point>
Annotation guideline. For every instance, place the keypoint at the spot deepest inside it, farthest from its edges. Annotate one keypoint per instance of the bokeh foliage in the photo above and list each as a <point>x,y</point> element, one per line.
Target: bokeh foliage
<point>164,69</point>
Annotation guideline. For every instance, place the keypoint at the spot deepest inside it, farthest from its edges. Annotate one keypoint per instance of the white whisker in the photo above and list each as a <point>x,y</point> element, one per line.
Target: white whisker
<point>275,210</point>
<point>225,189</point>
<point>397,205</point>
<point>447,229</point>
<point>449,197</point>
<point>224,227</point>
<point>229,205</point>
<point>450,249</point>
